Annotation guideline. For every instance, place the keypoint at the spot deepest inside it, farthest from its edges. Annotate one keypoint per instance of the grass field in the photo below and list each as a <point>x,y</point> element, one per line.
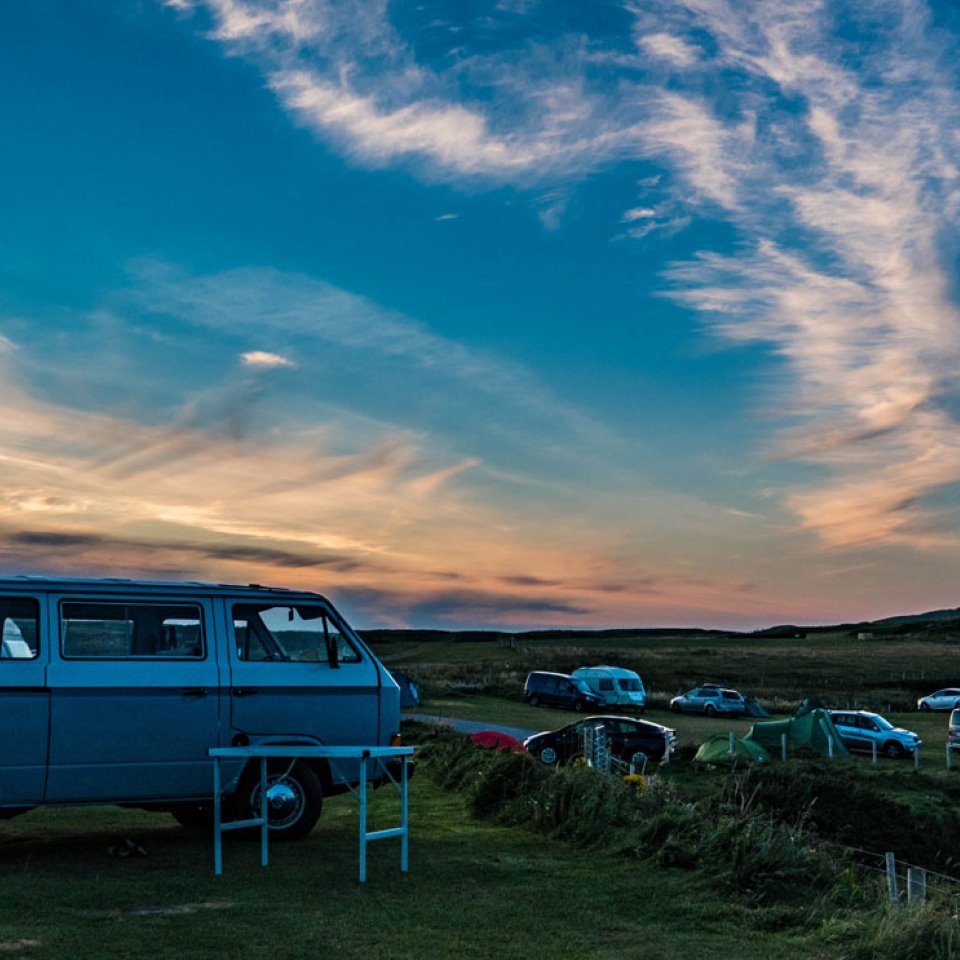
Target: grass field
<point>478,889</point>
<point>888,671</point>
<point>474,890</point>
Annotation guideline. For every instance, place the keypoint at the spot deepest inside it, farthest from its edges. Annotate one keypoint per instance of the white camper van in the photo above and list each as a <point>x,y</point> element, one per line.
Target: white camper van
<point>615,685</point>
<point>113,691</point>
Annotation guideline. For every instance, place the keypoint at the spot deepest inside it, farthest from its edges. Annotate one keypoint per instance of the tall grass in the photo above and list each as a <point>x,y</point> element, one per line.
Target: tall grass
<point>773,862</point>
<point>742,847</point>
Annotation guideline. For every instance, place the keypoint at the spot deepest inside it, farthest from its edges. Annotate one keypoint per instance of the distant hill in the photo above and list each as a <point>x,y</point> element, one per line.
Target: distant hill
<point>384,635</point>
<point>932,615</point>
<point>934,619</point>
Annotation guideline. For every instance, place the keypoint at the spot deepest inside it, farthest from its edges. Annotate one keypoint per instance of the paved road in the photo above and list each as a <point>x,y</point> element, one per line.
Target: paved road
<point>474,726</point>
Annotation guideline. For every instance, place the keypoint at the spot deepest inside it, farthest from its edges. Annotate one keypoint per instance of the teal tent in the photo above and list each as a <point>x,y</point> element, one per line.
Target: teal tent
<point>753,708</point>
<point>813,730</point>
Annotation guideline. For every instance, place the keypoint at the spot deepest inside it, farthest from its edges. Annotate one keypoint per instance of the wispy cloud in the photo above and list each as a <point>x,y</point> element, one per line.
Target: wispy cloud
<point>835,162</point>
<point>249,478</point>
<point>263,358</point>
<point>669,47</point>
<point>344,71</point>
<point>862,166</point>
<point>266,303</point>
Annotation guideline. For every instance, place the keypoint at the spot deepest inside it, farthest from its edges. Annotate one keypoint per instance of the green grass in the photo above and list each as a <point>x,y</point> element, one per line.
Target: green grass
<point>474,890</point>
<point>892,669</point>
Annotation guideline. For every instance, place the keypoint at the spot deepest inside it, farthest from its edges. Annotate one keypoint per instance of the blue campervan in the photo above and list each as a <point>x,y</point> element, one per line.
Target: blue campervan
<point>113,691</point>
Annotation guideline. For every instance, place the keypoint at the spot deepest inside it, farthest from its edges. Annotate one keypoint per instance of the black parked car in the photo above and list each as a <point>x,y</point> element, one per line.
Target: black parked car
<point>559,690</point>
<point>627,740</point>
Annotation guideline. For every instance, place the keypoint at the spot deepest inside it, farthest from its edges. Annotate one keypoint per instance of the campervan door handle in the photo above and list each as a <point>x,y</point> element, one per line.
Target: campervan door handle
<point>195,691</point>
<point>244,692</point>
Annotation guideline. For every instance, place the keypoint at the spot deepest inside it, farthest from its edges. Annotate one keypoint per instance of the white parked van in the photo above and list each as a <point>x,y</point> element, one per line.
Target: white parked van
<point>113,691</point>
<point>617,686</point>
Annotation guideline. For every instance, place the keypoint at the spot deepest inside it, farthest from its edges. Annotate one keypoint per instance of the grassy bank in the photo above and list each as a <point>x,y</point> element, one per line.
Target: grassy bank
<point>475,889</point>
<point>773,863</point>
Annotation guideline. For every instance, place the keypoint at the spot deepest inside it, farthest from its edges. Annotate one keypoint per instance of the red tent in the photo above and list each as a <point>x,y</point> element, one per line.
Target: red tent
<point>495,739</point>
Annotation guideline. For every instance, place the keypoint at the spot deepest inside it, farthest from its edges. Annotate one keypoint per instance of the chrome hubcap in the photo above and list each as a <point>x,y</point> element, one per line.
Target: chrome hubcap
<point>284,801</point>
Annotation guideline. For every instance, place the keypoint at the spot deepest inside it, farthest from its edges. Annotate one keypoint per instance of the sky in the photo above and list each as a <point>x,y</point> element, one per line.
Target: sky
<point>487,313</point>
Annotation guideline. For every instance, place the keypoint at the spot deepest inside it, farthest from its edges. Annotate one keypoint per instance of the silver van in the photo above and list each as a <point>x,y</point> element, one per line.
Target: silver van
<point>112,691</point>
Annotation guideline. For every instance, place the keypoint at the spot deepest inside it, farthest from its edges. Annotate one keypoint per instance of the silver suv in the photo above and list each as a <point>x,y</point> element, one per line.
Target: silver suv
<point>859,730</point>
<point>710,700</point>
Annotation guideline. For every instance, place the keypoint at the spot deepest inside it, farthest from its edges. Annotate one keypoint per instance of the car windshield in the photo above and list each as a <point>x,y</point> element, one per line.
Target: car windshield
<point>630,685</point>
<point>881,723</point>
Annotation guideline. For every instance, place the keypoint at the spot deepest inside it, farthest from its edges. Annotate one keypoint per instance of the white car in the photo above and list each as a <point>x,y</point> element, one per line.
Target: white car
<point>945,699</point>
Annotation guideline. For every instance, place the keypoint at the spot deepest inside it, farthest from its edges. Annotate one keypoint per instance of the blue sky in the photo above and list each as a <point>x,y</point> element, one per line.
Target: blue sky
<point>492,313</point>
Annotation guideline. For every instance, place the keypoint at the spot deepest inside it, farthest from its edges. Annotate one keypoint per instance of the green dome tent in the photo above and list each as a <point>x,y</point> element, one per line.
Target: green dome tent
<point>716,749</point>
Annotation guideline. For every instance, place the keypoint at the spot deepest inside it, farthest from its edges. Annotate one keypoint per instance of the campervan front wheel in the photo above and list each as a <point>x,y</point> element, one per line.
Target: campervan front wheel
<point>294,798</point>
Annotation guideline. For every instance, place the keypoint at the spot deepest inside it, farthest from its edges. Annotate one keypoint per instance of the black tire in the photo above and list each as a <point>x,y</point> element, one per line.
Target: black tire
<point>893,750</point>
<point>924,707</point>
<point>675,707</point>
<point>548,755</point>
<point>298,803</point>
<point>534,701</point>
<point>578,706</point>
<point>194,816</point>
<point>709,710</point>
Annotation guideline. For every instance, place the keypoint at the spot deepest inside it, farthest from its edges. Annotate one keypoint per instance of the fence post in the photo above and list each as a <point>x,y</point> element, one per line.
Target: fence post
<point>948,756</point>
<point>783,747</point>
<point>873,744</point>
<point>916,758</point>
<point>916,884</point>
<point>892,889</point>
<point>733,743</point>
<point>830,747</point>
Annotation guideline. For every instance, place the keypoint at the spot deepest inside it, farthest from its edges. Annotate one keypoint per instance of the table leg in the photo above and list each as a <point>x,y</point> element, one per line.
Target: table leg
<point>264,827</point>
<point>363,819</point>
<point>403,814</point>
<point>217,822</point>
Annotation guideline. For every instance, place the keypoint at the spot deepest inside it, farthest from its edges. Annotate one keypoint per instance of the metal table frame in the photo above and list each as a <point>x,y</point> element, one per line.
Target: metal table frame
<point>330,754</point>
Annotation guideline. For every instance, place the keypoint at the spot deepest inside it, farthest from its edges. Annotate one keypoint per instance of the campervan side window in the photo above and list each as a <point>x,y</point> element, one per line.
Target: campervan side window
<point>19,623</point>
<point>122,631</point>
<point>269,632</point>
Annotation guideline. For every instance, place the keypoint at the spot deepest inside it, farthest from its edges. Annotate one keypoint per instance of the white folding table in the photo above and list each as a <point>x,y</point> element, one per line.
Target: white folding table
<point>302,752</point>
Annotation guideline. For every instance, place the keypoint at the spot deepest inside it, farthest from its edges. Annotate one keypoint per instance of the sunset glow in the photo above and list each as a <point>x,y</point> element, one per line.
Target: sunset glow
<point>509,315</point>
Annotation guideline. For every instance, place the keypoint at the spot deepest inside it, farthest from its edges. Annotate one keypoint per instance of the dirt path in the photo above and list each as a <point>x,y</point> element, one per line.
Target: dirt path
<point>474,726</point>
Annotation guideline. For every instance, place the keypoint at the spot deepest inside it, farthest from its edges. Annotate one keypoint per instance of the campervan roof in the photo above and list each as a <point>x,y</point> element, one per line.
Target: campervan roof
<point>117,585</point>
